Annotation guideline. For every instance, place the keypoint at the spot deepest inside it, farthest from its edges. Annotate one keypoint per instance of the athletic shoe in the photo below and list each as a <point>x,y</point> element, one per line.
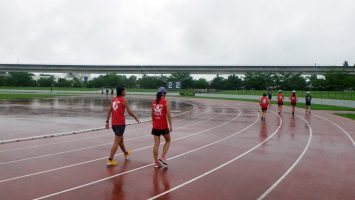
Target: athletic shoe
<point>157,165</point>
<point>111,163</point>
<point>163,160</point>
<point>128,154</point>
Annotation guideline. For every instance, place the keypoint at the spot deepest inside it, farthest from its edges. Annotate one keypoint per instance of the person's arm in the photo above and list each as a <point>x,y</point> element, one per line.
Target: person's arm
<point>125,104</point>
<point>168,116</point>
<point>108,114</point>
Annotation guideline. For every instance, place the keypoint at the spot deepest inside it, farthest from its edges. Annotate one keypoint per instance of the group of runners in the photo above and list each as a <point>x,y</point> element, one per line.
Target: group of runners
<point>266,101</point>
<point>162,123</point>
<point>161,120</point>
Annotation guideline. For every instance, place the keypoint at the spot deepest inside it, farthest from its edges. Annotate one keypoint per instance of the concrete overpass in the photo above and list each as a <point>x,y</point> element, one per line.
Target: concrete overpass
<point>166,69</point>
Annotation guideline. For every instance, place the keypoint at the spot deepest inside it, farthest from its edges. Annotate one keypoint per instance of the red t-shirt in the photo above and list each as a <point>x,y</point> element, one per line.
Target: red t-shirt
<point>159,115</point>
<point>263,102</point>
<point>293,99</point>
<point>280,98</point>
<point>118,110</point>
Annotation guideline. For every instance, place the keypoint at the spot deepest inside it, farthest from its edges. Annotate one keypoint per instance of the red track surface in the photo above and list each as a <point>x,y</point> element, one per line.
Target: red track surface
<point>222,150</point>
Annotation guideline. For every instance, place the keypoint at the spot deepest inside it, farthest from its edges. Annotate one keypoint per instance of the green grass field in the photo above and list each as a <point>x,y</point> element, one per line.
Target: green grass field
<point>315,94</point>
<point>347,115</point>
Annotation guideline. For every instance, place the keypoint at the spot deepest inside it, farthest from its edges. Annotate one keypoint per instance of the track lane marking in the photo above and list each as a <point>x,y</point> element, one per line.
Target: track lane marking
<point>220,166</point>
<point>142,167</point>
<point>84,148</point>
<point>273,186</point>
<point>81,163</point>
<point>194,106</point>
<point>341,128</point>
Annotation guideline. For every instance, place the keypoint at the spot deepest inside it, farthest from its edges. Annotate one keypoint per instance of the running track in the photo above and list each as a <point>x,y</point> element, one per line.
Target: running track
<point>220,150</point>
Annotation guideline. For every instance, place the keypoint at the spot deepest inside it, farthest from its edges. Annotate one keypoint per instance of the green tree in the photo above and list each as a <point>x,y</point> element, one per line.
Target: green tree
<point>20,79</point>
<point>132,82</point>
<point>45,82</point>
<point>218,83</point>
<point>201,83</point>
<point>259,81</point>
<point>76,82</point>
<point>62,82</point>
<point>294,81</point>
<point>233,82</point>
<point>336,79</point>
<point>316,83</point>
<point>150,82</point>
<point>185,79</point>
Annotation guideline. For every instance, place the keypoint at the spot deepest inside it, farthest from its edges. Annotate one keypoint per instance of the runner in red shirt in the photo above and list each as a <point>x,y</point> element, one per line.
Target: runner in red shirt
<point>264,102</point>
<point>117,108</point>
<point>160,118</point>
<point>293,99</point>
<point>280,100</point>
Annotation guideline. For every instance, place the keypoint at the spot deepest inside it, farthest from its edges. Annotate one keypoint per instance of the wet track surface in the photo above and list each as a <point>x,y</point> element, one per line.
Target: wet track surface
<point>220,150</point>
<point>33,117</point>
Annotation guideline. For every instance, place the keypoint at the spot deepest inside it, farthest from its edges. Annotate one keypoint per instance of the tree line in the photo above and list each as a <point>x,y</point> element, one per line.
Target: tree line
<point>333,80</point>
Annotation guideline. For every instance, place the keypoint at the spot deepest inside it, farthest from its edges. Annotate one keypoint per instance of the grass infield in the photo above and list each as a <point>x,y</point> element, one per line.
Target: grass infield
<point>347,115</point>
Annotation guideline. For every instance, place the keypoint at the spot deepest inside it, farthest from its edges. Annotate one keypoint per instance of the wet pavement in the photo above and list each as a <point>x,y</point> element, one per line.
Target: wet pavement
<point>34,117</point>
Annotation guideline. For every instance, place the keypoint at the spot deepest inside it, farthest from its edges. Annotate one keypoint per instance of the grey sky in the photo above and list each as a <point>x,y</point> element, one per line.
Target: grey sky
<point>236,32</point>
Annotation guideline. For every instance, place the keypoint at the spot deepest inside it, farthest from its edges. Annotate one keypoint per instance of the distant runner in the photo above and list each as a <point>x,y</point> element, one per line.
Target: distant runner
<point>263,104</point>
<point>160,118</point>
<point>293,99</point>
<point>308,100</point>
<point>269,94</point>
<point>280,100</point>
<point>117,108</point>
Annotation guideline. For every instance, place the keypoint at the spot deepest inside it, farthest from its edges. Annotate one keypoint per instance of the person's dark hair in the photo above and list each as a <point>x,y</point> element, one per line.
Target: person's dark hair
<point>159,95</point>
<point>264,94</point>
<point>119,90</point>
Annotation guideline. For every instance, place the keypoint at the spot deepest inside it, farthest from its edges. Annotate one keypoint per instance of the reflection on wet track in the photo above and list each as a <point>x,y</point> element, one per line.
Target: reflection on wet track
<point>34,117</point>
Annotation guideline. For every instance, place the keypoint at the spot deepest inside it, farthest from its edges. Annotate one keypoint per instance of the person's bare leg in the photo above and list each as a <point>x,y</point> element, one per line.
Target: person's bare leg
<point>114,147</point>
<point>121,144</point>
<point>166,145</point>
<point>156,148</point>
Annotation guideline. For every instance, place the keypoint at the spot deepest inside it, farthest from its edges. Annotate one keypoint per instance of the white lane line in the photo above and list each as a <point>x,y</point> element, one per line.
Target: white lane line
<point>293,165</point>
<point>90,147</point>
<point>76,132</point>
<point>145,166</point>
<point>79,139</point>
<point>90,161</point>
<point>343,130</point>
<point>220,166</point>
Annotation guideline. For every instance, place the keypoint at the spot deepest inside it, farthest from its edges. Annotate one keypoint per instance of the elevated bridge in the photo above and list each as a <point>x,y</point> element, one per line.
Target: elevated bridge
<point>167,69</point>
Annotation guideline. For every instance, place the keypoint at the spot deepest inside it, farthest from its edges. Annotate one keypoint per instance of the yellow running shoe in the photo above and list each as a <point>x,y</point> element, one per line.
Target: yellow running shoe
<point>128,154</point>
<point>111,162</point>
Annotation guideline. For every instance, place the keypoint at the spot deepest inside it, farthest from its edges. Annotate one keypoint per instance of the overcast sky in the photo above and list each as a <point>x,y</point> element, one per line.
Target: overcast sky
<point>232,32</point>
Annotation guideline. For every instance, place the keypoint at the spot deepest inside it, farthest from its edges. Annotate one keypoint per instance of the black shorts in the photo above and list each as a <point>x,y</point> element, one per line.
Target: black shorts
<point>308,103</point>
<point>293,104</point>
<point>118,129</point>
<point>280,104</point>
<point>159,132</point>
<point>264,109</point>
